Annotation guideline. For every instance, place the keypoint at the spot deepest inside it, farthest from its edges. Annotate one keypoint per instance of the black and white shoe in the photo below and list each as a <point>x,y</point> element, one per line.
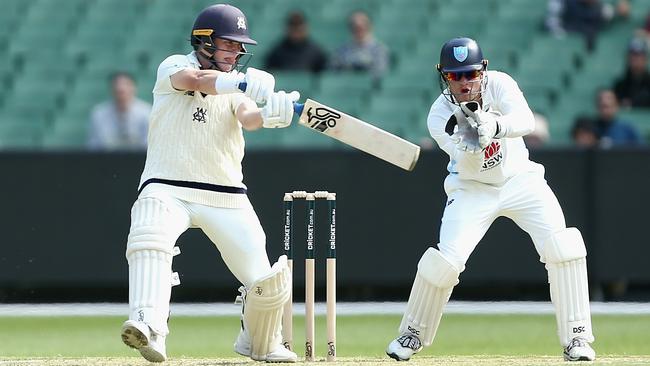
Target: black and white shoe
<point>579,350</point>
<point>403,347</point>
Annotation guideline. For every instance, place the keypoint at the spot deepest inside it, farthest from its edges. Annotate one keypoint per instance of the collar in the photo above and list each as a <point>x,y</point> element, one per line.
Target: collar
<point>193,59</point>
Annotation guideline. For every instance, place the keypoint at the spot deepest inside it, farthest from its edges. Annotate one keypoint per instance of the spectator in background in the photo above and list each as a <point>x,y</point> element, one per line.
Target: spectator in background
<point>586,17</point>
<point>584,133</point>
<point>633,88</point>
<point>540,136</point>
<point>121,123</point>
<point>297,51</point>
<point>611,130</point>
<point>364,51</point>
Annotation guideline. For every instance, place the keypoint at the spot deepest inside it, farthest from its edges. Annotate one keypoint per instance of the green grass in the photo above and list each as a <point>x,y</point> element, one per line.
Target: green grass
<point>495,337</point>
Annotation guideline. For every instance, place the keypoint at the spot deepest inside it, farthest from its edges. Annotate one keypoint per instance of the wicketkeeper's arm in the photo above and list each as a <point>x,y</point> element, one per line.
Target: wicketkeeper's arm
<point>517,119</point>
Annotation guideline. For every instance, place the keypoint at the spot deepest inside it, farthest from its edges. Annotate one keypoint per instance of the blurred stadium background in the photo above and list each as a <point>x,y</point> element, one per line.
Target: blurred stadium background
<point>65,212</point>
<point>64,205</point>
<point>57,56</point>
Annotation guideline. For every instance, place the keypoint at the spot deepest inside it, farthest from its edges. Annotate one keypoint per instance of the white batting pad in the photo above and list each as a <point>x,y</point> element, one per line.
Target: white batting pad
<point>434,281</point>
<point>149,253</point>
<point>565,256</point>
<point>263,309</point>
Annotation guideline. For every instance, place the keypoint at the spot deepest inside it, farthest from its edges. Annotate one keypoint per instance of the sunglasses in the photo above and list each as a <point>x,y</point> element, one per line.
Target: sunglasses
<point>456,76</point>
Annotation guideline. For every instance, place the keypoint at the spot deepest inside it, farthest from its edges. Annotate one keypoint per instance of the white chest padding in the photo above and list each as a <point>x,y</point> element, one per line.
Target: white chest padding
<point>434,281</point>
<point>149,253</point>
<point>263,309</point>
<point>565,258</point>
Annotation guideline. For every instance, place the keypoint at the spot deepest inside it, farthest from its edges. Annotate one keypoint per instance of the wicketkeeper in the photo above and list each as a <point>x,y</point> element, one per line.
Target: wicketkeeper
<point>479,121</point>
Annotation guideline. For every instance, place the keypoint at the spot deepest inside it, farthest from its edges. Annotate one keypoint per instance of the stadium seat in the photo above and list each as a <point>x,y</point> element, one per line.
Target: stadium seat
<point>299,137</point>
<point>295,80</point>
<point>390,115</point>
<point>346,82</point>
<point>65,135</point>
<point>14,134</point>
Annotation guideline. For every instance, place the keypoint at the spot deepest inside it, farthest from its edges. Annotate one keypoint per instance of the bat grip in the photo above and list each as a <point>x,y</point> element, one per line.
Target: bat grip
<point>297,107</point>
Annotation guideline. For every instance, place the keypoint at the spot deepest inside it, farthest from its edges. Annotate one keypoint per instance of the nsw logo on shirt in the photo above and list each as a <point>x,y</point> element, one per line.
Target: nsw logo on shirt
<point>492,156</point>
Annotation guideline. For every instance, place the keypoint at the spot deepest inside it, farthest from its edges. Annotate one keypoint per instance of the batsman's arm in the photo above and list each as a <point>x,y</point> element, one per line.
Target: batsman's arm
<point>203,81</point>
<point>249,115</point>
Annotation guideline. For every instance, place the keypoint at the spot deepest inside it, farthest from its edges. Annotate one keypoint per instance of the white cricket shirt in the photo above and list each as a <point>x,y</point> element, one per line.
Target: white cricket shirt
<point>195,141</point>
<point>504,157</point>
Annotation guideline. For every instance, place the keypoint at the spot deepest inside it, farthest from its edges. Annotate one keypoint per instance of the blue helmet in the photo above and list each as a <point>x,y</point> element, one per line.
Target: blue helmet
<point>457,56</point>
<point>219,21</point>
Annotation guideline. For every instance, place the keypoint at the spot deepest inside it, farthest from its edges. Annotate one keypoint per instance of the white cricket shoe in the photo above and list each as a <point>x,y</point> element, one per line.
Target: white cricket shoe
<point>403,347</point>
<point>579,350</point>
<point>279,354</point>
<point>139,336</point>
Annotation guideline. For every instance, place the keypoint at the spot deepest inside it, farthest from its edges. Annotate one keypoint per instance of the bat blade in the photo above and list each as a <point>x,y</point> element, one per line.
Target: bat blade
<point>359,134</point>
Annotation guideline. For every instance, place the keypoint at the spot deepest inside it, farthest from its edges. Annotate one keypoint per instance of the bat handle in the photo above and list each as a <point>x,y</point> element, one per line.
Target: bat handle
<point>297,107</point>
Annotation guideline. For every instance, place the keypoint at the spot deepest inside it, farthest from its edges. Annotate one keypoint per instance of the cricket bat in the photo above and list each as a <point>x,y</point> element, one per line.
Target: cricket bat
<point>356,133</point>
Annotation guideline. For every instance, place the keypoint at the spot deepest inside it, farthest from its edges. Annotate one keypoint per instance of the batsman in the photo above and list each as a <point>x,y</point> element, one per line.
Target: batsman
<point>479,120</point>
<point>193,178</point>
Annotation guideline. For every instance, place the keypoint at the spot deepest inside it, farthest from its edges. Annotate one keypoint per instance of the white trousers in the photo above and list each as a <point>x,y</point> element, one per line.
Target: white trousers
<point>236,232</point>
<point>472,207</point>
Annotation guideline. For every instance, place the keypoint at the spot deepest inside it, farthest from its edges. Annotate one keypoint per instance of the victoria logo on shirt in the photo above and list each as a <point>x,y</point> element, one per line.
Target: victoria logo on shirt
<point>492,156</point>
<point>199,115</point>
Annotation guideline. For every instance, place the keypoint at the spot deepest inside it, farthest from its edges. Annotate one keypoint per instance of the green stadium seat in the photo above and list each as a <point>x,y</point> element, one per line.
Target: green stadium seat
<point>350,103</point>
<point>539,102</point>
<point>341,9</point>
<point>295,80</point>
<point>65,135</point>
<point>391,115</point>
<point>299,137</point>
<point>529,11</point>
<point>410,29</point>
<point>15,133</point>
<point>330,33</point>
<point>346,82</point>
<point>92,43</point>
<point>414,87</point>
<point>34,41</point>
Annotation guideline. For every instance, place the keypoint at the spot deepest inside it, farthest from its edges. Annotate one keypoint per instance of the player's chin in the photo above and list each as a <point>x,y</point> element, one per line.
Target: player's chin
<point>464,97</point>
<point>226,67</point>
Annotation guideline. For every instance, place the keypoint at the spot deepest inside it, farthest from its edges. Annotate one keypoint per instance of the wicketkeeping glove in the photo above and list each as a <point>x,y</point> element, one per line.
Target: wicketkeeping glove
<point>466,135</point>
<point>488,125</point>
<point>278,111</point>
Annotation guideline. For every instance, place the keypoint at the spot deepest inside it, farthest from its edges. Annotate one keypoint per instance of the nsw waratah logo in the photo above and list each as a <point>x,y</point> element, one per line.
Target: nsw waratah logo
<point>492,156</point>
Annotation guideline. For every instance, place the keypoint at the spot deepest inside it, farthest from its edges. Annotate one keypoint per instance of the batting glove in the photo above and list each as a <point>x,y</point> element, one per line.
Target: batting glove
<point>260,85</point>
<point>278,111</point>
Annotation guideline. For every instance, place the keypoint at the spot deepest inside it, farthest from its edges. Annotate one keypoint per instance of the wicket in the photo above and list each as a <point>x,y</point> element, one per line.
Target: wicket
<point>287,316</point>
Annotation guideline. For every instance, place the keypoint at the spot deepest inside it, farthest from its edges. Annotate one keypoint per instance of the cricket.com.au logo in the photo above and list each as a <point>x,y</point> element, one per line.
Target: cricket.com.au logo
<point>321,119</point>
